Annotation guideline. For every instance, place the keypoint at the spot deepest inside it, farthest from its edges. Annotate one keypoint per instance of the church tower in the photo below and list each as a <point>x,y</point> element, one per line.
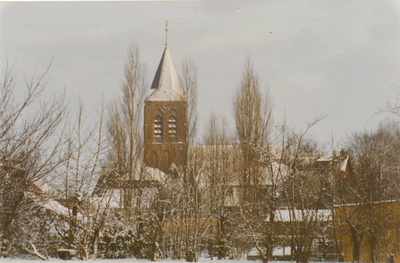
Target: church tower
<point>165,119</point>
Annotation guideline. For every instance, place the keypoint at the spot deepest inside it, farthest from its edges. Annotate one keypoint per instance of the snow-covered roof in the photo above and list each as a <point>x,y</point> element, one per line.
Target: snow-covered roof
<point>55,207</point>
<point>111,199</point>
<point>344,164</point>
<point>47,188</point>
<point>166,84</point>
<point>287,215</point>
<point>277,251</point>
<point>42,189</point>
<point>48,203</point>
<point>374,203</point>
<point>282,251</point>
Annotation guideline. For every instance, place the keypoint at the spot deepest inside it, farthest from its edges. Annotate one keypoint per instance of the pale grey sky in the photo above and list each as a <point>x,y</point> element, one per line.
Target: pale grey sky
<point>336,58</point>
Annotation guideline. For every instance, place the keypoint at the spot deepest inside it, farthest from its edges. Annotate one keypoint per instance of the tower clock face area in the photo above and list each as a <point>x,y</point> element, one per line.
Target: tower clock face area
<point>164,122</point>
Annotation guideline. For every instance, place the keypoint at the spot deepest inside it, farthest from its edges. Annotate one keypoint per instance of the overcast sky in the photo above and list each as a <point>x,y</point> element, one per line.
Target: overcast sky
<point>334,58</point>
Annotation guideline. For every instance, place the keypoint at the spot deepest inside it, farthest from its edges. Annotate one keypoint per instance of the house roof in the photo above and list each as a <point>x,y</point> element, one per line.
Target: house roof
<point>288,215</point>
<point>166,84</point>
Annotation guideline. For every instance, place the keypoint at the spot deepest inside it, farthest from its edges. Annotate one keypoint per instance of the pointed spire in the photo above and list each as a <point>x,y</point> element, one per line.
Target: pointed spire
<point>166,84</point>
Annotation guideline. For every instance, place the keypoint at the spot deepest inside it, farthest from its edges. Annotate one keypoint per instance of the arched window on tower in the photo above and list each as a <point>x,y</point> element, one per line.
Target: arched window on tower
<point>158,126</point>
<point>172,126</point>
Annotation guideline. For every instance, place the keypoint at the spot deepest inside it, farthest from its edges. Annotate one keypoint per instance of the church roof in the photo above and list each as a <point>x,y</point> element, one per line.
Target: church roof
<point>166,84</point>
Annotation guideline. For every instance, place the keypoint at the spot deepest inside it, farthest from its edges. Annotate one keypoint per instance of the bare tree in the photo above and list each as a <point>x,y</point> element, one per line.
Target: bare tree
<point>393,105</point>
<point>306,191</point>
<point>30,144</point>
<point>219,177</point>
<point>189,84</point>
<point>80,172</point>
<point>127,170</point>
<point>125,125</point>
<point>192,206</point>
<point>253,119</point>
<point>292,196</point>
<point>183,206</point>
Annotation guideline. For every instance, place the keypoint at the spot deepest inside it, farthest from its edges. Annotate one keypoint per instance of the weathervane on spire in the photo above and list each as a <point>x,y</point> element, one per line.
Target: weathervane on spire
<point>166,33</point>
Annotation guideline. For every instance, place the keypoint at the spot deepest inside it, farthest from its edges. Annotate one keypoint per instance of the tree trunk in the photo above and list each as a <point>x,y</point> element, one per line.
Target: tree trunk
<point>356,246</point>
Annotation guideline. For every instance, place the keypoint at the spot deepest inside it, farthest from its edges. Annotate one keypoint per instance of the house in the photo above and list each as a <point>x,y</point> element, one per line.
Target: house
<point>370,231</point>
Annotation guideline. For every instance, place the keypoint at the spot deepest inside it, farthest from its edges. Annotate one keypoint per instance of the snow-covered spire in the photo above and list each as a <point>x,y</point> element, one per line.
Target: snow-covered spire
<point>166,82</point>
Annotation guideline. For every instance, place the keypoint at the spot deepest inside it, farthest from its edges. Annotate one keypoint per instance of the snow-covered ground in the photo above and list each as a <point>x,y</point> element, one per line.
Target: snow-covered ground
<point>130,260</point>
<point>201,260</point>
<point>126,260</point>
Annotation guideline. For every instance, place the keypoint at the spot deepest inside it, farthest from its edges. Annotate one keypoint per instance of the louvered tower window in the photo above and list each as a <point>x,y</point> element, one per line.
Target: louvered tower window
<point>172,126</point>
<point>158,126</point>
